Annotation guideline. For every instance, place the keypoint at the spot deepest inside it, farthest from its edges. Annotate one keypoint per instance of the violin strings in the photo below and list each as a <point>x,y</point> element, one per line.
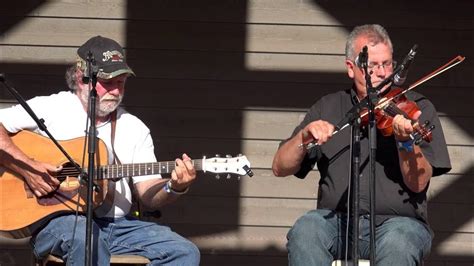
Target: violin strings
<point>394,110</point>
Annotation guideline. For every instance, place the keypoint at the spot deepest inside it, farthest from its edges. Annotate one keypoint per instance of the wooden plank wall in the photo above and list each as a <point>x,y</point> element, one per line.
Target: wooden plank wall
<point>233,77</point>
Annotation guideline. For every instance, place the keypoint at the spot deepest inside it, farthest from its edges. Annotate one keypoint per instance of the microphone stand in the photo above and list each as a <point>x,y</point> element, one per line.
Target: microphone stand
<point>355,173</point>
<point>372,100</point>
<point>355,156</point>
<point>352,118</point>
<point>372,136</point>
<point>91,78</point>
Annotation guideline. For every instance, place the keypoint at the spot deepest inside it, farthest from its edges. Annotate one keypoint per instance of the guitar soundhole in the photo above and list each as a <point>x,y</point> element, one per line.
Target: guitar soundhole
<point>68,171</point>
<point>68,188</point>
<point>69,178</point>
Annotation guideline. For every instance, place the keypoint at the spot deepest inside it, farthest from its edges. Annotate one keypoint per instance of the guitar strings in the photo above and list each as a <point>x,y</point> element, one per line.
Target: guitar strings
<point>140,167</point>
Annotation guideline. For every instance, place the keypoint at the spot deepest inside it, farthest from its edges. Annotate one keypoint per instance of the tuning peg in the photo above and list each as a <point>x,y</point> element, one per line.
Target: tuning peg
<point>228,176</point>
<point>430,128</point>
<point>239,155</point>
<point>248,170</point>
<point>228,156</point>
<point>218,156</point>
<point>218,176</point>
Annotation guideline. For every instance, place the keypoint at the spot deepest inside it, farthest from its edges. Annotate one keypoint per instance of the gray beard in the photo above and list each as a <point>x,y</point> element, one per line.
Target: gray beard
<point>104,106</point>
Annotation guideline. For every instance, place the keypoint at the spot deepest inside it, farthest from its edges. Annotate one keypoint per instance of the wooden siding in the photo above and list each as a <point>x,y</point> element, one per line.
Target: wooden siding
<point>233,77</point>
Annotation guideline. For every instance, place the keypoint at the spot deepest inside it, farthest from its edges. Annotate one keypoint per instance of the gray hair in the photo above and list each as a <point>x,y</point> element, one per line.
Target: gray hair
<point>71,77</point>
<point>374,32</point>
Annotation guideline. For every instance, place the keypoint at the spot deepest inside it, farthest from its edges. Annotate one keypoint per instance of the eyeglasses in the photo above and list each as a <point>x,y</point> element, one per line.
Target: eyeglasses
<point>386,65</point>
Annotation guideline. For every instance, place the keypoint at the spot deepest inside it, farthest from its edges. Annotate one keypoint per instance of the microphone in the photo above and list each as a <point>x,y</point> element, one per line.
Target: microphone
<point>401,76</point>
<point>361,59</point>
<point>90,69</point>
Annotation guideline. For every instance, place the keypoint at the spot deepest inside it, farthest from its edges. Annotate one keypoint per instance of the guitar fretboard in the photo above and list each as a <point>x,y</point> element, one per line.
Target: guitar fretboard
<point>137,169</point>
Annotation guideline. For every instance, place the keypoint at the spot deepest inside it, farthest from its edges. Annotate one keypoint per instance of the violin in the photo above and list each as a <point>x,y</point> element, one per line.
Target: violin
<point>395,102</point>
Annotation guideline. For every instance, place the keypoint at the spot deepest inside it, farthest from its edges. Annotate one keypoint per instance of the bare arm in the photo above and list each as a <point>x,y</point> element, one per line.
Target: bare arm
<point>152,195</point>
<point>288,158</point>
<point>415,168</point>
<point>38,175</point>
<point>151,192</point>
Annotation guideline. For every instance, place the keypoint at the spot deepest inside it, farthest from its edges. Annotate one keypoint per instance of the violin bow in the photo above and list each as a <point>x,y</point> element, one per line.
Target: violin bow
<point>453,62</point>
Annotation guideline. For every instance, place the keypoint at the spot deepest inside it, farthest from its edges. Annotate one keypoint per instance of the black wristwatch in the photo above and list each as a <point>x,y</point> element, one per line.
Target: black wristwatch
<point>170,190</point>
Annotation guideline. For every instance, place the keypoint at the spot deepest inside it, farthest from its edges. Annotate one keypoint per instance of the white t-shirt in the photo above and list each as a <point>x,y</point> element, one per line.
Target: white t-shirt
<point>65,118</point>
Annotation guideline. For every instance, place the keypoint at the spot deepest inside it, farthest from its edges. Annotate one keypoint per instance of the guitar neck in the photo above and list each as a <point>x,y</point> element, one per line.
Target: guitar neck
<point>114,171</point>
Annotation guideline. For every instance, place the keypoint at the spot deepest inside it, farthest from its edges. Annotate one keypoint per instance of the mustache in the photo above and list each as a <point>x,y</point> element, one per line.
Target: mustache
<point>108,97</point>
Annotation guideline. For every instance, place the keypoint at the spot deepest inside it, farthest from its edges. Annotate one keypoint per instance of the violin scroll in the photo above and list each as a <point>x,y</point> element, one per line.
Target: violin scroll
<point>423,132</point>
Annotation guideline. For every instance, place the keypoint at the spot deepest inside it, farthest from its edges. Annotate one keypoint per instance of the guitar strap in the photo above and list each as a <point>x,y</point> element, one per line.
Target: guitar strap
<point>112,136</point>
<point>107,204</point>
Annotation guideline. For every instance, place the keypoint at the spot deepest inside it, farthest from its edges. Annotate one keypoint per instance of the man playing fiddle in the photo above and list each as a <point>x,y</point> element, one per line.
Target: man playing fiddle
<point>402,169</point>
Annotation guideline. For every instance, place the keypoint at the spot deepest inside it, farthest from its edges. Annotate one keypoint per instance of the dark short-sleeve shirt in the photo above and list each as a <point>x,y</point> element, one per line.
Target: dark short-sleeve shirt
<point>393,198</point>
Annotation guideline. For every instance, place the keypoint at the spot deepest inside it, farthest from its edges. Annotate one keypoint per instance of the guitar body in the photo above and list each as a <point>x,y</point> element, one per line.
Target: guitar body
<point>21,212</point>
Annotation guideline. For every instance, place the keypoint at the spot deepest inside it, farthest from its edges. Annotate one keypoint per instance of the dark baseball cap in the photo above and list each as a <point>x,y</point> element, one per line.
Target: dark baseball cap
<point>108,55</point>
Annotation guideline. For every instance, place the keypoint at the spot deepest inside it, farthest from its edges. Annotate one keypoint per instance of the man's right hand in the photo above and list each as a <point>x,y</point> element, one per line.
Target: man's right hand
<point>39,176</point>
<point>41,180</point>
<point>319,131</point>
<point>288,158</point>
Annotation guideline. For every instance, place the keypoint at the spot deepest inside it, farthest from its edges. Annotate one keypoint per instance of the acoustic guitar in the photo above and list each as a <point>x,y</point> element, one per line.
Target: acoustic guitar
<point>21,212</point>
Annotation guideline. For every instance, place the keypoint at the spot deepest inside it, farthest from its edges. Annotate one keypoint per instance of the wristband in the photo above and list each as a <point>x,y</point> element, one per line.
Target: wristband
<point>405,145</point>
<point>169,189</point>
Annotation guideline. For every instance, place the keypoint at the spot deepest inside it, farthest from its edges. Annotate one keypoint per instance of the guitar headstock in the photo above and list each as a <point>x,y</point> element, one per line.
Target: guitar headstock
<point>238,165</point>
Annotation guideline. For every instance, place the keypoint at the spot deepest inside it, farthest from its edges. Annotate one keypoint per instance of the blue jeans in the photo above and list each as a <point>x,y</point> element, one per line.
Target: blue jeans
<point>318,238</point>
<point>114,236</point>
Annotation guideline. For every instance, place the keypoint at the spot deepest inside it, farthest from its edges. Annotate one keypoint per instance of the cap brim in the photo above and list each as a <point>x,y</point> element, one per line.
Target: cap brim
<point>113,74</point>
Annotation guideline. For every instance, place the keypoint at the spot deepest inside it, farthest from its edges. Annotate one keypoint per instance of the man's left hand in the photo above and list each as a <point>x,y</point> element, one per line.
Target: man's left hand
<point>403,127</point>
<point>184,174</point>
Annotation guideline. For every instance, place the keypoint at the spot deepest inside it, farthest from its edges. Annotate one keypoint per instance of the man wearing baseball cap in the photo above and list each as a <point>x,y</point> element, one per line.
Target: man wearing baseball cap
<point>128,140</point>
